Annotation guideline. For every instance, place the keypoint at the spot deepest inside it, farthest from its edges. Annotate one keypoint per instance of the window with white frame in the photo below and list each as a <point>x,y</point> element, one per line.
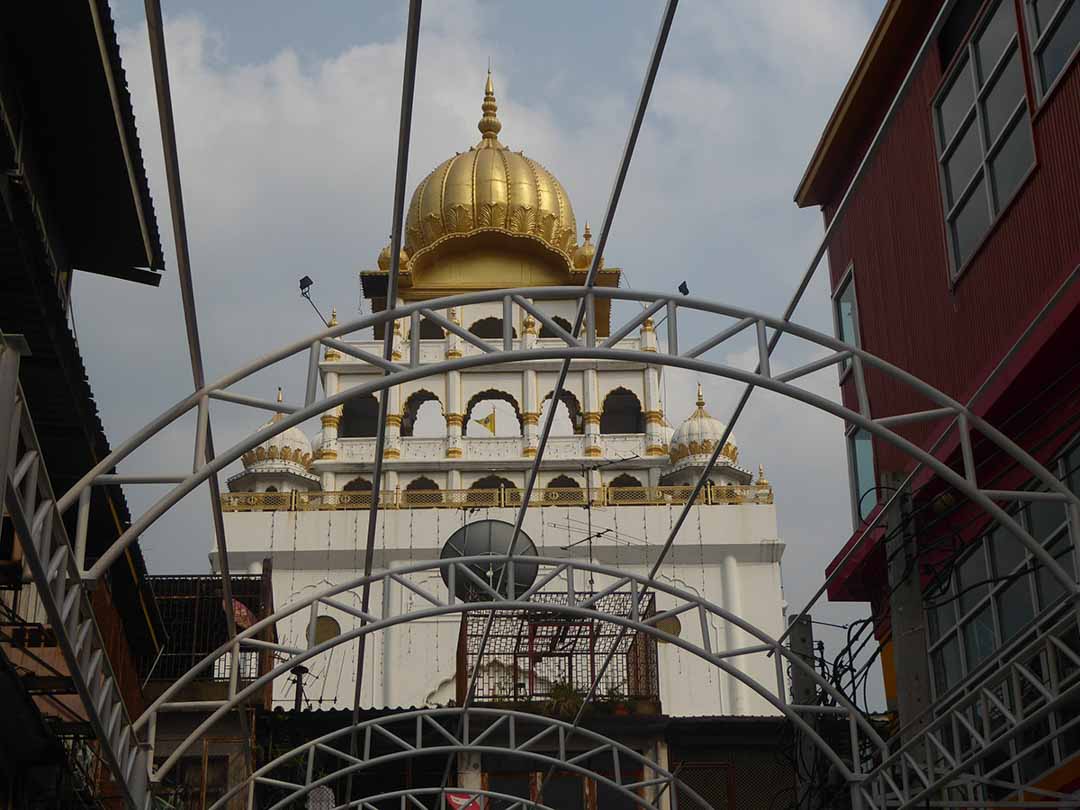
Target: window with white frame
<point>846,314</point>
<point>987,602</point>
<point>983,128</point>
<point>1054,37</point>
<point>249,666</point>
<point>864,492</point>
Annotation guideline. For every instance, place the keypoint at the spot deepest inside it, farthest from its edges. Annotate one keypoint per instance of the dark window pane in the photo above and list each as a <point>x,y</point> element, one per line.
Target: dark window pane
<point>1001,101</point>
<point>565,791</point>
<point>1044,518</point>
<point>845,314</point>
<point>961,164</point>
<point>1007,550</point>
<point>947,669</point>
<point>1015,610</point>
<point>979,637</point>
<point>956,103</point>
<point>942,617</point>
<point>1043,11</point>
<point>1072,469</point>
<point>1012,163</point>
<point>512,784</point>
<point>971,223</point>
<point>972,579</point>
<point>955,28</point>
<point>610,798</point>
<point>862,457</point>
<point>1060,45</point>
<point>995,36</point>
<point>1050,589</point>
<point>1039,759</point>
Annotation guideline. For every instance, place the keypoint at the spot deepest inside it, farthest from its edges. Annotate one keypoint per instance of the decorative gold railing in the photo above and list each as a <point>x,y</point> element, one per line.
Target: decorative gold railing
<point>491,498</point>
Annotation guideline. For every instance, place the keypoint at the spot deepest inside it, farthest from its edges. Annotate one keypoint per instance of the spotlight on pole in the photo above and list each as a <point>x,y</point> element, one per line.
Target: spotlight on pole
<point>305,292</point>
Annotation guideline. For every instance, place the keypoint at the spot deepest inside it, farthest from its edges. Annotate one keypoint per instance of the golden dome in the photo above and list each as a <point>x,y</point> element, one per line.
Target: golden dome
<point>490,189</point>
<point>583,256</point>
<point>384,259</point>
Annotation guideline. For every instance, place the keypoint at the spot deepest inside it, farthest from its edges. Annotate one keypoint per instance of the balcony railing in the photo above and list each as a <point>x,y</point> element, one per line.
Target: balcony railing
<point>492,498</point>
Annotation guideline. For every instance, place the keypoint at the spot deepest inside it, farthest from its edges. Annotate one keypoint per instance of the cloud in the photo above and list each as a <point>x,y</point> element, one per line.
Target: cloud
<point>287,165</point>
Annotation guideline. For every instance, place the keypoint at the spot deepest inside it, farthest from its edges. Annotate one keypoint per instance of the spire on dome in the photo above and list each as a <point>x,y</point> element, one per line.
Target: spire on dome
<point>489,125</point>
<point>333,317</point>
<point>280,395</point>
<point>700,397</point>
<point>762,481</point>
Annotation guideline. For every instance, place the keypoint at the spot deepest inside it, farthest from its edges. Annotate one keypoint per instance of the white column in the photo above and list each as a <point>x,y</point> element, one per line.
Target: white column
<point>331,420</point>
<point>530,415</point>
<point>454,416</point>
<point>592,414</point>
<point>733,636</point>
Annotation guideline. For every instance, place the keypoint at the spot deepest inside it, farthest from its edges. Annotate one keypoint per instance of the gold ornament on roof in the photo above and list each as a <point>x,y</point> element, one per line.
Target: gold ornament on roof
<point>583,256</point>
<point>490,189</point>
<point>384,259</point>
<point>762,481</point>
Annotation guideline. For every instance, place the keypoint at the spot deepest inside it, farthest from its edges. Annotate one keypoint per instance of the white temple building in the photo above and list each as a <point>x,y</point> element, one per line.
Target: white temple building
<point>610,487</point>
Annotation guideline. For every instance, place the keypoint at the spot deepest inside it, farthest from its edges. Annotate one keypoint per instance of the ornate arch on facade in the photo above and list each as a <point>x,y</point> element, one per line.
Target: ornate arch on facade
<point>573,409</point>
<point>486,396</point>
<point>625,480</point>
<point>547,332</point>
<point>411,409</point>
<point>622,412</point>
<point>360,417</point>
<point>490,328</point>
<point>429,330</point>
<point>358,484</point>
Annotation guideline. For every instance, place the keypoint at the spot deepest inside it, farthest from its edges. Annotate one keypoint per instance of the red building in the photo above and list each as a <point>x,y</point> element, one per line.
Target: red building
<point>956,257</point>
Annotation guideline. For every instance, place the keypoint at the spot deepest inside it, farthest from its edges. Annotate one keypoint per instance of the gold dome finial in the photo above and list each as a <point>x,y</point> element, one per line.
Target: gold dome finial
<point>700,397</point>
<point>333,316</point>
<point>489,125</point>
<point>761,479</point>
<point>280,396</point>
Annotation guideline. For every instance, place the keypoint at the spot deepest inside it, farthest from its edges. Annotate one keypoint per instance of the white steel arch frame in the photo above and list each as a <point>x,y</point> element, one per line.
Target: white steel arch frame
<point>503,723</point>
<point>550,570</point>
<point>590,349</point>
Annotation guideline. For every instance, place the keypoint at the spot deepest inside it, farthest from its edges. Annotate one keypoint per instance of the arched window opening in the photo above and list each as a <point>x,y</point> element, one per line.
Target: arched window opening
<point>569,418</point>
<point>360,417</point>
<point>422,491</point>
<point>360,484</point>
<point>429,330</point>
<point>490,329</point>
<point>326,628</point>
<point>491,490</point>
<point>562,489</point>
<point>547,332</point>
<point>422,415</point>
<point>622,413</point>
<point>271,489</point>
<point>503,405</point>
<point>623,481</point>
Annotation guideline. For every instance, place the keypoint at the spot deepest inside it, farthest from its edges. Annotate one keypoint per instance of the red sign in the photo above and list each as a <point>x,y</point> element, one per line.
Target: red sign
<point>463,801</point>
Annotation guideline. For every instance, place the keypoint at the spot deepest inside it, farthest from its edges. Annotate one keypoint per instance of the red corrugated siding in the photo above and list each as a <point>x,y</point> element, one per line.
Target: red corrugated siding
<point>893,231</point>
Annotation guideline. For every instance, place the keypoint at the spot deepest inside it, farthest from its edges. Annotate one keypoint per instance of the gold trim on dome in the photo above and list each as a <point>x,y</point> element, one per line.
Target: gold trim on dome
<point>654,417</point>
<point>703,448</point>
<point>455,420</point>
<point>530,418</point>
<point>591,417</point>
<point>329,420</point>
<point>593,452</point>
<point>453,452</point>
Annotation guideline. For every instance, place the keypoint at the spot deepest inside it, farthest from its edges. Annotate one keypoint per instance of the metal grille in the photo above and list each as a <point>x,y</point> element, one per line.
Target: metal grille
<point>541,655</point>
<point>191,609</point>
<point>713,781</point>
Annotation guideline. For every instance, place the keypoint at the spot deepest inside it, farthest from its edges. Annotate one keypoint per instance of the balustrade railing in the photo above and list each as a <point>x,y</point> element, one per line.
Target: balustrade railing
<point>492,498</point>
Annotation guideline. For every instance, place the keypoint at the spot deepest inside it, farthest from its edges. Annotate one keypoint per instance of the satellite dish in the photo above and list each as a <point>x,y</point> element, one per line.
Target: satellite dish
<point>490,538</point>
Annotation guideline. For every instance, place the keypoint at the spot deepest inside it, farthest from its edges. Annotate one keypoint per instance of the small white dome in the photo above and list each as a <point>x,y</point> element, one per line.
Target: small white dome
<point>291,447</point>
<point>695,439</point>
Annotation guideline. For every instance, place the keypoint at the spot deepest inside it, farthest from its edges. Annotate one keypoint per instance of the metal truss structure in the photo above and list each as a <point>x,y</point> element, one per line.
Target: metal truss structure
<point>733,321</point>
<point>55,567</point>
<point>426,732</point>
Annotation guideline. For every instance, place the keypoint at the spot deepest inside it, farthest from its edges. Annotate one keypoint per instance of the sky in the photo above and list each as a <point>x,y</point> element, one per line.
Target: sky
<point>287,126</point>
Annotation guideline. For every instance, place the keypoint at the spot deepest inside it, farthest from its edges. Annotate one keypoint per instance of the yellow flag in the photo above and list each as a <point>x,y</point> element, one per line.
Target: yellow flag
<point>488,422</point>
